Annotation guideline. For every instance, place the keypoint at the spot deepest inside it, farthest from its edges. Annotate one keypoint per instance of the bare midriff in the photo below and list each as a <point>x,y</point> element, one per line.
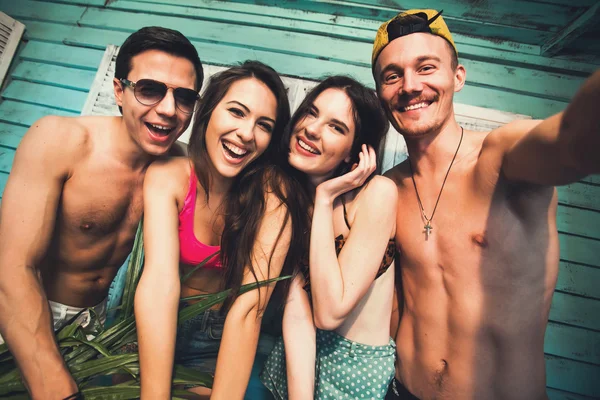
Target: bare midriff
<point>368,322</point>
<point>202,281</point>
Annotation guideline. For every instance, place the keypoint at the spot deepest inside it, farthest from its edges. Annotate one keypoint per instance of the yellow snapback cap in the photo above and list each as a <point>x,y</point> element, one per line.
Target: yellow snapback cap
<point>432,23</point>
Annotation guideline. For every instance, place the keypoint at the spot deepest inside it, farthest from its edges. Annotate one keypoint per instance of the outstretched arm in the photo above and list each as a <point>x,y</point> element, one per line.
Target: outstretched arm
<point>242,326</point>
<point>559,150</point>
<point>41,166</point>
<point>157,294</point>
<point>299,337</point>
<point>338,283</point>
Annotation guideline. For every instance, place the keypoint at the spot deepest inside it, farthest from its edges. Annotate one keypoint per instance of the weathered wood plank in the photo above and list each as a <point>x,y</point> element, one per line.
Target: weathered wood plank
<point>99,3</point>
<point>523,80</point>
<point>62,55</point>
<point>573,343</point>
<point>6,159</point>
<point>580,195</point>
<point>360,29</point>
<point>574,310</point>
<point>554,394</point>
<point>499,99</point>
<point>45,11</point>
<point>71,35</point>
<point>530,16</point>
<point>580,250</point>
<point>3,179</point>
<point>592,179</point>
<point>578,221</point>
<point>573,376</point>
<point>26,114</point>
<point>45,95</point>
<point>571,31</point>
<point>69,78</point>
<point>573,3</point>
<point>385,12</point>
<point>11,135</point>
<point>284,12</point>
<point>581,280</point>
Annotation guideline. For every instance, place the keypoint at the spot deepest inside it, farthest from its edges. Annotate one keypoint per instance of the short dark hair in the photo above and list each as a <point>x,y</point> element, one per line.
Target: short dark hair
<point>157,38</point>
<point>411,19</point>
<point>370,121</point>
<point>217,88</point>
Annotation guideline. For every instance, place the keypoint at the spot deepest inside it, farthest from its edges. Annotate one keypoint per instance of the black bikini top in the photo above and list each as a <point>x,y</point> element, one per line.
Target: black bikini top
<point>388,257</point>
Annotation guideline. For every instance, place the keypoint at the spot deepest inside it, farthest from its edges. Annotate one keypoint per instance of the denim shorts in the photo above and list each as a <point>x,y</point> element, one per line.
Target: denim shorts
<point>198,341</point>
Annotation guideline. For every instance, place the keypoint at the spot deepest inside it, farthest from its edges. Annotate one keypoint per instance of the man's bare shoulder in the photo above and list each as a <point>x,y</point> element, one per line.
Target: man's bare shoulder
<point>62,139</point>
<point>504,137</point>
<point>60,129</point>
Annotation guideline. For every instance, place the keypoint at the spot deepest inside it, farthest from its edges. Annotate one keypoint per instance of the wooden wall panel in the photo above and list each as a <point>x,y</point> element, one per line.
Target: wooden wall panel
<point>55,75</point>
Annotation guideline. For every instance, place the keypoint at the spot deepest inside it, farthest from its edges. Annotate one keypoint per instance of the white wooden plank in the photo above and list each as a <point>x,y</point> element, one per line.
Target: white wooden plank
<point>6,55</point>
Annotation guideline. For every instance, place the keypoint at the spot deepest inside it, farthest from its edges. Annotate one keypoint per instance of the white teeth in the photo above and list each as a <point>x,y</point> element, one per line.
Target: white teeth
<point>415,106</point>
<point>162,128</point>
<point>234,149</point>
<point>307,147</point>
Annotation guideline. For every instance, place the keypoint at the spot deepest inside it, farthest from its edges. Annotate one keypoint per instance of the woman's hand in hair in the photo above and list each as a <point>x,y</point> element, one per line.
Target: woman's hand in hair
<point>329,190</point>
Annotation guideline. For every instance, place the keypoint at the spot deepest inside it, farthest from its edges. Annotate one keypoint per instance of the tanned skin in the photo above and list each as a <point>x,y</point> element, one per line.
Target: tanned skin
<point>70,211</point>
<point>476,293</point>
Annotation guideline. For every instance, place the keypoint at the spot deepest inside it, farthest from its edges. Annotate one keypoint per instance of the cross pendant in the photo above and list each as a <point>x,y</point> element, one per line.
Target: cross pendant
<point>428,228</point>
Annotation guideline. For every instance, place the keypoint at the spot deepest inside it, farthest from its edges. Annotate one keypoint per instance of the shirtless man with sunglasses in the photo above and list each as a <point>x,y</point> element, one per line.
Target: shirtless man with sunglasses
<point>73,201</point>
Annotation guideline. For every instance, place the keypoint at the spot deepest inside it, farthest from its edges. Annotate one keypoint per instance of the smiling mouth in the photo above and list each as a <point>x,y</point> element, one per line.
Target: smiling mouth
<point>234,151</point>
<point>307,147</point>
<point>417,106</point>
<point>159,130</point>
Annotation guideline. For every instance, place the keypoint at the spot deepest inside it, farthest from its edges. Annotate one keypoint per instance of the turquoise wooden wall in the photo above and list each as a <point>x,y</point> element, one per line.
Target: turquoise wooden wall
<point>65,40</point>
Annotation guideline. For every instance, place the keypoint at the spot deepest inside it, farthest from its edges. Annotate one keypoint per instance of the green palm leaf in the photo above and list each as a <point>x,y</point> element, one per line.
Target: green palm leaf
<point>197,267</point>
<point>134,271</point>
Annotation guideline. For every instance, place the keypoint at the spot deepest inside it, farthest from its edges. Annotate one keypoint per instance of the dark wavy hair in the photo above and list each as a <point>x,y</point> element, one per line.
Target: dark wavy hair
<point>245,204</point>
<point>370,121</point>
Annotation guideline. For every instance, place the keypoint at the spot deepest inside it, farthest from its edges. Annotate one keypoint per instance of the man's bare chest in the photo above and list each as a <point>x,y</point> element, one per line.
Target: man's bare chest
<point>99,204</point>
<point>471,238</point>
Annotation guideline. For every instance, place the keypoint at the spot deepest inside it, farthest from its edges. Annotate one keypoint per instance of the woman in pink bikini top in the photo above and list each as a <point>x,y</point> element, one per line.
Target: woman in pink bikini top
<point>211,218</point>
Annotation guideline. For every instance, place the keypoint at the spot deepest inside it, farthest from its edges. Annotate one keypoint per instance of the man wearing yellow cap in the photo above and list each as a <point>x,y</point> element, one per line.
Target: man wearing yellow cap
<point>476,224</point>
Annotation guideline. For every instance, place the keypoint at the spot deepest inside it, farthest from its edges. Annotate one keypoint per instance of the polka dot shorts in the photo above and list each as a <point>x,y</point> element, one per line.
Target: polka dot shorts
<point>344,370</point>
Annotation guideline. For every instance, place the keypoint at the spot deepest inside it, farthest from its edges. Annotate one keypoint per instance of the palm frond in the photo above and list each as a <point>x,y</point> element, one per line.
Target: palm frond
<point>134,271</point>
<point>197,267</point>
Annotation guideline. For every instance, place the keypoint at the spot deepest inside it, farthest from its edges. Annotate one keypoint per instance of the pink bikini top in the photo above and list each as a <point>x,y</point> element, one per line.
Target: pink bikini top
<point>191,250</point>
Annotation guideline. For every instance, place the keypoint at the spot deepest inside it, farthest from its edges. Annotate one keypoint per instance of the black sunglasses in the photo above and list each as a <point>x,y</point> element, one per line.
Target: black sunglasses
<point>150,92</point>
